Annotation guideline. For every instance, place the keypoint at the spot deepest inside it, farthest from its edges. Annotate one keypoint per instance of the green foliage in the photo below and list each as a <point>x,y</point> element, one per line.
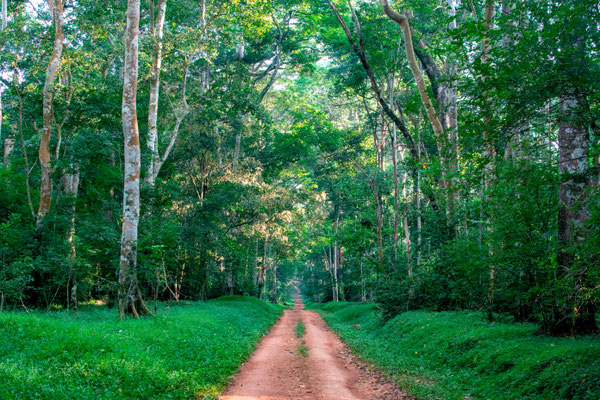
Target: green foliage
<point>189,352</point>
<point>457,355</point>
<point>300,329</point>
<point>303,350</point>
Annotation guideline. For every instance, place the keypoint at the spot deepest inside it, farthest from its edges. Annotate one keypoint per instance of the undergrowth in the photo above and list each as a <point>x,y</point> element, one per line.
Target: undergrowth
<point>459,355</point>
<point>189,353</point>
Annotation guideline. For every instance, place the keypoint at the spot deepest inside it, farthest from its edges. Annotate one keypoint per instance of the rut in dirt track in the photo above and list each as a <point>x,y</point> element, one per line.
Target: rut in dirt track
<point>278,371</point>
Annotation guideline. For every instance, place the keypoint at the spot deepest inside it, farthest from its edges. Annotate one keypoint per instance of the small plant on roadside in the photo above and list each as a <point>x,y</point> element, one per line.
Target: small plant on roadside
<point>303,350</point>
<point>300,329</point>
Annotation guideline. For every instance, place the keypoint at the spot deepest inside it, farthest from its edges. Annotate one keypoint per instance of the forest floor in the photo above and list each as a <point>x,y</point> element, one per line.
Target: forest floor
<point>302,359</point>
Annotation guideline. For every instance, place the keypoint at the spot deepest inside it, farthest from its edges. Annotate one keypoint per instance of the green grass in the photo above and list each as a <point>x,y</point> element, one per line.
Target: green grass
<point>303,350</point>
<point>459,355</point>
<point>300,329</point>
<point>189,353</point>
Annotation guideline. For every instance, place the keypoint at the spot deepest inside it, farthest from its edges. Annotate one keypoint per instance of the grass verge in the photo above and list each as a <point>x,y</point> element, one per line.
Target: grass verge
<point>459,355</point>
<point>189,353</point>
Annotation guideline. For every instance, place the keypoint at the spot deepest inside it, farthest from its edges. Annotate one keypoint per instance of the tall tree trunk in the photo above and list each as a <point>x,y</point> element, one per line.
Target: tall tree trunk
<point>396,189</point>
<point>432,115</point>
<point>9,144</point>
<point>155,68</point>
<point>577,315</point>
<point>379,217</point>
<point>274,292</point>
<point>2,27</point>
<point>489,152</point>
<point>4,14</point>
<point>71,189</point>
<point>407,240</point>
<point>449,108</point>
<point>360,52</point>
<point>418,199</point>
<point>56,9</point>
<point>129,294</point>
<point>263,269</point>
<point>336,258</point>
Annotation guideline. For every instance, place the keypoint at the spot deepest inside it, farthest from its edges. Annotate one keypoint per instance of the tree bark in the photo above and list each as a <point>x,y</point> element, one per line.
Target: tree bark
<point>155,68</point>
<point>336,258</point>
<point>9,144</point>
<point>432,115</point>
<point>56,8</point>
<point>577,316</point>
<point>4,14</point>
<point>129,294</point>
<point>71,189</point>
<point>2,27</point>
<point>263,269</point>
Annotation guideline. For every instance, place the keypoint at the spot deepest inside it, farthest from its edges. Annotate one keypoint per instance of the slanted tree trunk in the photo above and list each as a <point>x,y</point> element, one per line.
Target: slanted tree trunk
<point>432,115</point>
<point>56,9</point>
<point>155,68</point>
<point>360,52</point>
<point>130,299</point>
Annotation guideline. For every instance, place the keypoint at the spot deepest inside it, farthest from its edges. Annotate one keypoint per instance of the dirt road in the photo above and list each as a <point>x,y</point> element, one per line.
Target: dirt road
<point>317,366</point>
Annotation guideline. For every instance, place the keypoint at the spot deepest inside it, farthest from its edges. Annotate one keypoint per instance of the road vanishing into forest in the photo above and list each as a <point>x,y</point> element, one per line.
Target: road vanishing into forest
<point>326,371</point>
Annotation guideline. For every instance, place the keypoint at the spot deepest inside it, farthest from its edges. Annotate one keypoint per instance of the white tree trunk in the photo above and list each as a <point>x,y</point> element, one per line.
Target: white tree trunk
<point>128,285</point>
<point>4,14</point>
<point>56,8</point>
<point>155,68</point>
<point>9,144</point>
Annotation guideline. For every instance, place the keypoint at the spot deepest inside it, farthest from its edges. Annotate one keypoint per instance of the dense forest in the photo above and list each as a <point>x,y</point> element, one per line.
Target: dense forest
<point>430,154</point>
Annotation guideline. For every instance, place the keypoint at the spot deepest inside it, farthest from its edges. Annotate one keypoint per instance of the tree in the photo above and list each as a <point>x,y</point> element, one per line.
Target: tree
<point>57,11</point>
<point>130,298</point>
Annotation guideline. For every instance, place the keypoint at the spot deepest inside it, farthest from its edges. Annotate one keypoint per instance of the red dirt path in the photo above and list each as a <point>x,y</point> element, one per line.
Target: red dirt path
<point>277,370</point>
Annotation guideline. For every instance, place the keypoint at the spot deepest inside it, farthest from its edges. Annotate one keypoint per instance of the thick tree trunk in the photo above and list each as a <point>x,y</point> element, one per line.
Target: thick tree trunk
<point>577,315</point>
<point>129,294</point>
<point>56,8</point>
<point>9,144</point>
<point>155,68</point>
